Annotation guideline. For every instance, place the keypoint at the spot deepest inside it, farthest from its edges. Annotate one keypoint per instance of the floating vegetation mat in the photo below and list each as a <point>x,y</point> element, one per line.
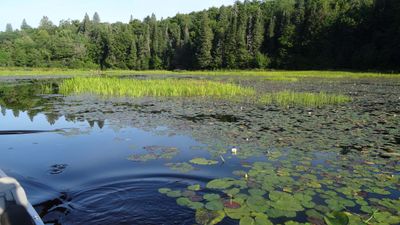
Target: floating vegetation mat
<point>286,98</point>
<point>282,79</point>
<point>298,188</point>
<point>152,88</point>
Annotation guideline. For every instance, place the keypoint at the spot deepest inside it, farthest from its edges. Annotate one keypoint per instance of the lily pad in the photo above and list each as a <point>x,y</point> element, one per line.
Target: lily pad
<point>232,192</point>
<point>174,194</point>
<point>182,201</point>
<point>261,219</point>
<point>214,205</point>
<point>247,220</point>
<point>386,217</point>
<point>196,205</point>
<point>257,192</point>
<point>203,161</point>
<point>237,213</point>
<point>284,201</point>
<point>257,203</point>
<point>194,187</point>
<point>181,167</point>
<point>211,197</point>
<point>222,183</point>
<point>337,218</point>
<point>164,190</point>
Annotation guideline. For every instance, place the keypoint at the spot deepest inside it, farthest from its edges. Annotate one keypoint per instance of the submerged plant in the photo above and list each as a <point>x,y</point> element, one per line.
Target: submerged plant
<point>287,98</point>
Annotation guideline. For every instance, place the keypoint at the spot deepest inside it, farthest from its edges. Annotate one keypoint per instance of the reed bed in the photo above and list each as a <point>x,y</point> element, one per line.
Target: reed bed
<point>289,98</point>
<point>152,88</point>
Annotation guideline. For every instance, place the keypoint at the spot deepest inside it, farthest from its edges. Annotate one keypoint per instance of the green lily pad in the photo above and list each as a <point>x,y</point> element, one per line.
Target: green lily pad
<point>284,201</point>
<point>295,223</point>
<point>196,205</point>
<point>203,161</point>
<point>181,167</point>
<point>194,187</point>
<point>211,197</point>
<point>314,213</point>
<point>257,203</point>
<point>174,194</point>
<point>164,190</point>
<point>276,213</point>
<point>337,218</point>
<point>214,205</point>
<point>182,201</point>
<point>261,219</point>
<point>222,183</point>
<point>247,220</point>
<point>255,191</point>
<point>237,213</point>
<point>232,192</point>
<point>386,217</point>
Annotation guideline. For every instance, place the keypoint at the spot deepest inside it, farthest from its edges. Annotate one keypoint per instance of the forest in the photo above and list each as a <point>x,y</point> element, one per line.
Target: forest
<point>273,34</point>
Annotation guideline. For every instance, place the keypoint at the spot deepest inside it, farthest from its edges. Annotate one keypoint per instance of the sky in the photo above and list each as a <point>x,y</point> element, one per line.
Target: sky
<point>14,11</point>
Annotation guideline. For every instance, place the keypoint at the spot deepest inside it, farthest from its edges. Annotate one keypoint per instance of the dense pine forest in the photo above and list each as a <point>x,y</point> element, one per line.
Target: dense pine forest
<point>280,34</point>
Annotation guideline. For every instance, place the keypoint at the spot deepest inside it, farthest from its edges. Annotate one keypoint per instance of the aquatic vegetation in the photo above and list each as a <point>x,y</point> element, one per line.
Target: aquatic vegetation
<point>203,161</point>
<point>154,152</point>
<point>180,167</point>
<point>195,187</point>
<point>268,193</point>
<point>288,98</point>
<point>282,79</point>
<point>208,217</point>
<point>336,218</point>
<point>152,88</point>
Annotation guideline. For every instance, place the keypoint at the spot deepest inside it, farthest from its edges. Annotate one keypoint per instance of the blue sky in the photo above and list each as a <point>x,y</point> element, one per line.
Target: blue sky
<point>14,11</point>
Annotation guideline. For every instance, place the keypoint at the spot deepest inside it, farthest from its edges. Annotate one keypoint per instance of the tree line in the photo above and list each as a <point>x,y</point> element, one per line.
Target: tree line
<point>281,34</point>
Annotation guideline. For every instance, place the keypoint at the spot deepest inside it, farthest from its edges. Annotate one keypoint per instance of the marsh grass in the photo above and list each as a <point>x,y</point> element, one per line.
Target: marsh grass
<point>115,87</point>
<point>256,73</point>
<point>289,98</point>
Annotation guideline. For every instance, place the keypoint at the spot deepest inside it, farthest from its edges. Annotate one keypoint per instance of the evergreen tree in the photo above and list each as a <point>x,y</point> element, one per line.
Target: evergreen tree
<point>231,41</point>
<point>9,28</point>
<point>45,23</point>
<point>204,58</point>
<point>24,25</point>
<point>219,38</point>
<point>132,56</point>
<point>85,25</point>
<point>243,38</point>
<point>96,18</point>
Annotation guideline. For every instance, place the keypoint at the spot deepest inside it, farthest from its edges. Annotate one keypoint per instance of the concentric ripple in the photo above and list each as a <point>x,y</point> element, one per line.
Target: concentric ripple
<point>122,201</point>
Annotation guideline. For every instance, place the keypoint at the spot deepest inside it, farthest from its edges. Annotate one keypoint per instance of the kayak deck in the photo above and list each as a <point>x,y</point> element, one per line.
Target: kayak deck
<point>14,203</point>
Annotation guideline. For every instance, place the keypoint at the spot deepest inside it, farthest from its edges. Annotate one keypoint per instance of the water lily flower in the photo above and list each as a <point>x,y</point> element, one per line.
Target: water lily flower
<point>234,151</point>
